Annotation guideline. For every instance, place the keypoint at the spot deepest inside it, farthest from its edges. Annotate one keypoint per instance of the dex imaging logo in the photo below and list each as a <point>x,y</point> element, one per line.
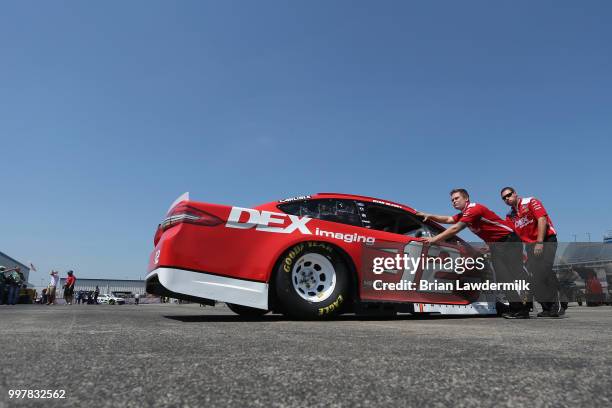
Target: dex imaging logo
<point>267,221</point>
<point>262,220</point>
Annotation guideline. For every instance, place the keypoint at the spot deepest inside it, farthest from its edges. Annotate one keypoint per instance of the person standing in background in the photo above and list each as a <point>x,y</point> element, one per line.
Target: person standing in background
<point>10,283</point>
<point>2,283</point>
<point>13,281</point>
<point>69,287</point>
<point>567,288</point>
<point>51,289</point>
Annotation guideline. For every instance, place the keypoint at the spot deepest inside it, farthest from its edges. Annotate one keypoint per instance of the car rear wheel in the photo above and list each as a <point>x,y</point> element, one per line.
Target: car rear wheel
<point>312,281</point>
<point>246,311</point>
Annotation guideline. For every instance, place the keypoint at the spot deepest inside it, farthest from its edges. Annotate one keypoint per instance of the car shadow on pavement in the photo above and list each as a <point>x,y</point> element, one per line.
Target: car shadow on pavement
<point>226,318</point>
<point>347,317</point>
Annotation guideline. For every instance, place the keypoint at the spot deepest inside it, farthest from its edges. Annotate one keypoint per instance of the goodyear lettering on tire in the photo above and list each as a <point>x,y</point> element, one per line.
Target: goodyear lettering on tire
<point>332,307</point>
<point>291,257</point>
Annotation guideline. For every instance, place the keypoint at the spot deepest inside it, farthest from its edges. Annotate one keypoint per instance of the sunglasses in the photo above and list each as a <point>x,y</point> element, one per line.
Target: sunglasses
<point>507,196</point>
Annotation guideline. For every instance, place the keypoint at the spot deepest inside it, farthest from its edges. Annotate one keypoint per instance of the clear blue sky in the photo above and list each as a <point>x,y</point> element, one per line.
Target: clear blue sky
<point>110,110</point>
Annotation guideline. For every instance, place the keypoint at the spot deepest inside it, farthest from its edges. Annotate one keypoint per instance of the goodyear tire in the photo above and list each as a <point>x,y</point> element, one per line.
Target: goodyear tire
<point>312,281</point>
<point>246,311</point>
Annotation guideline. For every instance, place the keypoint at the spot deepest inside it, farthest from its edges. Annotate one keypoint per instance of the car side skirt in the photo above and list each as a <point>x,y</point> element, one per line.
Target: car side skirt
<point>197,286</point>
<point>475,308</point>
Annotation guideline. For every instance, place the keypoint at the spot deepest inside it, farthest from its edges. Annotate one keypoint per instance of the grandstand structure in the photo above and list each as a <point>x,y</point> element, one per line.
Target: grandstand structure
<point>586,259</point>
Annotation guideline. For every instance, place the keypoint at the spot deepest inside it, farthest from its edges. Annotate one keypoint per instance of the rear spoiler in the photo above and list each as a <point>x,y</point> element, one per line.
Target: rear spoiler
<point>182,197</point>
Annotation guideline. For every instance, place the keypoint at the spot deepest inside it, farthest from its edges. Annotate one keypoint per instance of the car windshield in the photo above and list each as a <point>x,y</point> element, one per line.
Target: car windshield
<point>335,210</point>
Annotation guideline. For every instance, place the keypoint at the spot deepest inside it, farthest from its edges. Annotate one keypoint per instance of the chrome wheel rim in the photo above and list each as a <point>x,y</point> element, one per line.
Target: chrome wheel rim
<point>313,277</point>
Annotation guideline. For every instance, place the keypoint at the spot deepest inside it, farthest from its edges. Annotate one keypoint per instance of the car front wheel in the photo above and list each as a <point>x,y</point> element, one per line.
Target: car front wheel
<point>312,281</point>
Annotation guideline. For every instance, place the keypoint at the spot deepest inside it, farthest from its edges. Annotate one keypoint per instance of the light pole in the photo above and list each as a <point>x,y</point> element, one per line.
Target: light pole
<point>589,235</point>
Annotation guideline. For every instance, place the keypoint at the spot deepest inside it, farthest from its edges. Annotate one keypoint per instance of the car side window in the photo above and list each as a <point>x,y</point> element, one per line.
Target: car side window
<point>397,221</point>
<point>388,219</point>
<point>327,209</point>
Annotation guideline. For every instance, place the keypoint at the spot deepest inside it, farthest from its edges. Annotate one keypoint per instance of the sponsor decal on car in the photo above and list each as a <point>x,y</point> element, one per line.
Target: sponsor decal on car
<point>386,203</point>
<point>287,200</point>
<point>348,238</point>
<point>264,221</point>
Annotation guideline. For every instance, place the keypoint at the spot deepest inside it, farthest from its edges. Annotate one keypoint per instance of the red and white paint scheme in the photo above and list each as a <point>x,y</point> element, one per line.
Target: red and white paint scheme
<point>307,257</point>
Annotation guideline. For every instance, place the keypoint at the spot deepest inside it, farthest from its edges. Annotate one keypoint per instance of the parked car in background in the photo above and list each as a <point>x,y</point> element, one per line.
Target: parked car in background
<point>110,299</point>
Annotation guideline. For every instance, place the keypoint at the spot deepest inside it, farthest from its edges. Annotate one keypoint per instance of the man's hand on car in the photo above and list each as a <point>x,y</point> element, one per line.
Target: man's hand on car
<point>422,214</point>
<point>430,240</point>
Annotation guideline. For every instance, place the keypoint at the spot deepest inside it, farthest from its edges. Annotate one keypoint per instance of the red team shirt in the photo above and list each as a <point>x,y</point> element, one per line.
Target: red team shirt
<point>70,280</point>
<point>524,219</point>
<point>483,222</point>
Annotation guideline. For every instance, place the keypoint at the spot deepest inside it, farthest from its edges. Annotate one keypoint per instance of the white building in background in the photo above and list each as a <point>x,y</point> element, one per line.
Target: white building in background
<point>132,286</point>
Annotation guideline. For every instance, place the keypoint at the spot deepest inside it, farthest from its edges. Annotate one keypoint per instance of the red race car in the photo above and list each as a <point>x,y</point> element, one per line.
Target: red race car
<point>310,257</point>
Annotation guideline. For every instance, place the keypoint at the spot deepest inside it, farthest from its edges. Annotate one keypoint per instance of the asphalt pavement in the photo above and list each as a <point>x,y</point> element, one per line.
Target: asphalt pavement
<point>192,356</point>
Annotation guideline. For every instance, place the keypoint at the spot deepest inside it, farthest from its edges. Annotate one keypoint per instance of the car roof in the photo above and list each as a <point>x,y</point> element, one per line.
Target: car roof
<point>340,196</point>
<point>366,198</point>
<point>274,205</point>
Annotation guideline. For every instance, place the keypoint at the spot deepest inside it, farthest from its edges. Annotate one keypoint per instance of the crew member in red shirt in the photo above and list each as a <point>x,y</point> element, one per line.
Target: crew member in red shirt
<point>593,290</point>
<point>532,224</point>
<point>69,287</point>
<point>505,245</point>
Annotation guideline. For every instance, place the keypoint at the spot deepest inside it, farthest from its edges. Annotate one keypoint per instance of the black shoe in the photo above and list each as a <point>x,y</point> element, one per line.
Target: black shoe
<point>548,313</point>
<point>562,312</point>
<point>521,314</point>
<point>554,308</point>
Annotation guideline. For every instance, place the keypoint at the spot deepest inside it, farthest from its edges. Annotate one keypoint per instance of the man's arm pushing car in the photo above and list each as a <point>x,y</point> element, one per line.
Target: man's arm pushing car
<point>449,233</point>
<point>442,219</point>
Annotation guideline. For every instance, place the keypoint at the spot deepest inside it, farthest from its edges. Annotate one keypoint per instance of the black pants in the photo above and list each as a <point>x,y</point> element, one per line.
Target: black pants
<point>544,279</point>
<point>507,259</point>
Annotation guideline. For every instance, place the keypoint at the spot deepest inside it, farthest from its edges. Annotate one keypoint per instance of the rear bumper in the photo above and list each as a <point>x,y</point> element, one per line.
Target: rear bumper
<point>204,287</point>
